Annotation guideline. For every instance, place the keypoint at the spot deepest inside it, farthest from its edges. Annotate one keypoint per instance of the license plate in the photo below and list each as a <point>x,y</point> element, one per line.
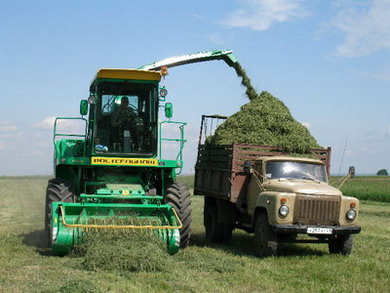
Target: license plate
<point>318,230</point>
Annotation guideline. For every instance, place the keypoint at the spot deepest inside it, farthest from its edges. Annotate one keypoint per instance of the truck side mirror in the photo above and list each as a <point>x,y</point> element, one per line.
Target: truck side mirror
<point>83,107</point>
<point>351,171</point>
<point>247,166</point>
<point>168,110</point>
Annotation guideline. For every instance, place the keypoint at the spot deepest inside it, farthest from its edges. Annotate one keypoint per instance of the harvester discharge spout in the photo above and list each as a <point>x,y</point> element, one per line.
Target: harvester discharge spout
<point>225,55</point>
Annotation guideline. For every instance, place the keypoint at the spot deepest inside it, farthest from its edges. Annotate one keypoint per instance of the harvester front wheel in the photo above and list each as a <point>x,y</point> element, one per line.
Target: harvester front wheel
<point>57,190</point>
<point>178,196</point>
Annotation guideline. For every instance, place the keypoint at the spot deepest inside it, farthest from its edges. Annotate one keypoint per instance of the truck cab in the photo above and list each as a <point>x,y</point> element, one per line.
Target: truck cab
<point>293,196</point>
<point>291,181</point>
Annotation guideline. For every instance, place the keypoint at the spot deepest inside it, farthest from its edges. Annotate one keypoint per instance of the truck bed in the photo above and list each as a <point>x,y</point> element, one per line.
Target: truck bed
<point>219,169</point>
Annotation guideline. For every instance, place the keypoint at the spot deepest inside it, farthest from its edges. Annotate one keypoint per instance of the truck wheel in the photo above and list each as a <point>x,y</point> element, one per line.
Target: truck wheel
<point>57,190</point>
<point>215,231</point>
<point>178,196</point>
<point>266,243</point>
<point>227,231</point>
<point>341,245</point>
<point>213,228</point>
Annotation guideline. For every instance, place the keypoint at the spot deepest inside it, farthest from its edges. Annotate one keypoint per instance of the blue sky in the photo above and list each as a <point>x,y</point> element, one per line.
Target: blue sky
<point>328,61</point>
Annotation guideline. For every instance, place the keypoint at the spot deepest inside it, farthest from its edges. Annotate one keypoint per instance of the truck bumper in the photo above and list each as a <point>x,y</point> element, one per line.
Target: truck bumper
<point>302,229</point>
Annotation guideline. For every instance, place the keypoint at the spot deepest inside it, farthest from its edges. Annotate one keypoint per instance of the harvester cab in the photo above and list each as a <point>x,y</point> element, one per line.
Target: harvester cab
<point>113,175</point>
<point>125,113</point>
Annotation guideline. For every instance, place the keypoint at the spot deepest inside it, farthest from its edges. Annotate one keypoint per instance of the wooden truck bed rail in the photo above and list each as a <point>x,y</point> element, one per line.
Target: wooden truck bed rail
<point>219,169</point>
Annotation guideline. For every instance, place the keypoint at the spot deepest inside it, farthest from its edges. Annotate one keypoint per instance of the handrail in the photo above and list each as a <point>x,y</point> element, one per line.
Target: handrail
<point>181,140</point>
<point>55,134</point>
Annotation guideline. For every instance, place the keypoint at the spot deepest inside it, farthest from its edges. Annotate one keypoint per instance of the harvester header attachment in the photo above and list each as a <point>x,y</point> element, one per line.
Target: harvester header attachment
<point>71,222</point>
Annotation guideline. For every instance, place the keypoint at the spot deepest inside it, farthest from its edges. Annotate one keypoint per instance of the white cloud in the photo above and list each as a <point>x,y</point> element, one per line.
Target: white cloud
<point>261,14</point>
<point>198,16</point>
<point>366,26</point>
<point>10,135</point>
<point>47,123</point>
<point>306,124</point>
<point>75,126</point>
<point>9,130</point>
<point>7,127</point>
<point>387,133</point>
<point>383,74</point>
<point>215,39</point>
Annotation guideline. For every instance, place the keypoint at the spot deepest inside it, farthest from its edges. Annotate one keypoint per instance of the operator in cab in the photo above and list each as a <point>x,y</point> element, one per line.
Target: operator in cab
<point>124,121</point>
<point>123,116</point>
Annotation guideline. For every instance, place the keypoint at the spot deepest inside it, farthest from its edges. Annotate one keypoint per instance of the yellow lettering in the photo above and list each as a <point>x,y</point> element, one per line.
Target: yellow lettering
<point>123,161</point>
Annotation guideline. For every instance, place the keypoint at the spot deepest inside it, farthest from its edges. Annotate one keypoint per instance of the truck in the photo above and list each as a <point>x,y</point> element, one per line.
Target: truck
<point>276,196</point>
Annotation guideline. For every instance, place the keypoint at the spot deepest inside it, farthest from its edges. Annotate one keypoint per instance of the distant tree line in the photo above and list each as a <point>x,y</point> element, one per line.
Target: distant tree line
<point>382,172</point>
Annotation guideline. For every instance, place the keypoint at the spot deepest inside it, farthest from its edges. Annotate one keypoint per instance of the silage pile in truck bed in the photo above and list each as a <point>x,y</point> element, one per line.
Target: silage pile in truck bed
<point>265,120</point>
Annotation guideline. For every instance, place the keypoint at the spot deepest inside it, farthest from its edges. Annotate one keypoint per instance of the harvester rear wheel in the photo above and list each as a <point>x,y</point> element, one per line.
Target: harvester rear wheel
<point>57,190</point>
<point>178,196</point>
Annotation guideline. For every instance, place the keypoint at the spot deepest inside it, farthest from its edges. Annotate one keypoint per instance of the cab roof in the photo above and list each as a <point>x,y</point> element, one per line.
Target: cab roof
<point>130,74</point>
<point>288,158</point>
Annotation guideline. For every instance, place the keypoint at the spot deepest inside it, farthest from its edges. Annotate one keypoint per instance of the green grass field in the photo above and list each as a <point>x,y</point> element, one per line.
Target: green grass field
<point>27,266</point>
<point>376,188</point>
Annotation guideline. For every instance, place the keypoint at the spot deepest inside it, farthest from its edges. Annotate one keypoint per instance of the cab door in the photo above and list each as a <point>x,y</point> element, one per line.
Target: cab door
<point>254,187</point>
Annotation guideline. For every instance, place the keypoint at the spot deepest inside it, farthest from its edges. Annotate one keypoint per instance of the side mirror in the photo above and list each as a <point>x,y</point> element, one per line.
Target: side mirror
<point>247,166</point>
<point>168,110</point>
<point>83,107</point>
<point>351,171</point>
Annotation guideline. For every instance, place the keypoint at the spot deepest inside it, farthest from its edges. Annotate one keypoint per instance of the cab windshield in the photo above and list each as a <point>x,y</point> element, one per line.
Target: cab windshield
<point>295,170</point>
<point>126,116</point>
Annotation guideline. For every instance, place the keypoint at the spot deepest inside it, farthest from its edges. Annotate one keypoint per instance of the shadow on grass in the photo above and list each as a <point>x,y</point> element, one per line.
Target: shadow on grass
<point>243,245</point>
<point>37,239</point>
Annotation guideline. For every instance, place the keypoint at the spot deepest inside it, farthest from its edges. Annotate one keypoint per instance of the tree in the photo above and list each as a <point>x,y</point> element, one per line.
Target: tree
<point>382,172</point>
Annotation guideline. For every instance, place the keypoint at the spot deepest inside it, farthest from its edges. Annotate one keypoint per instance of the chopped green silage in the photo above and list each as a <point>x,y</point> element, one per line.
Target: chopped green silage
<point>77,285</point>
<point>265,120</point>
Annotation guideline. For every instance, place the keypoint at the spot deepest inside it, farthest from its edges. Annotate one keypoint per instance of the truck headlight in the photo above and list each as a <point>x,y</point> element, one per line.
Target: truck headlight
<point>284,210</point>
<point>351,215</point>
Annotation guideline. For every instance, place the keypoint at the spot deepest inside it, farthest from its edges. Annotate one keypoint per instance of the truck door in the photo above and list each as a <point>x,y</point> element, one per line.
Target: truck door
<point>254,188</point>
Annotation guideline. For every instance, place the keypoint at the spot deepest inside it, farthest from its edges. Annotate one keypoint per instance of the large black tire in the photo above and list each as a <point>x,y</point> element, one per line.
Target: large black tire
<point>178,196</point>
<point>341,245</point>
<point>266,241</point>
<point>215,231</point>
<point>57,190</point>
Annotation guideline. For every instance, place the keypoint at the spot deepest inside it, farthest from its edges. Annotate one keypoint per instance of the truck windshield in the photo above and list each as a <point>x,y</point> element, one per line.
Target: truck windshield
<point>126,117</point>
<point>295,170</point>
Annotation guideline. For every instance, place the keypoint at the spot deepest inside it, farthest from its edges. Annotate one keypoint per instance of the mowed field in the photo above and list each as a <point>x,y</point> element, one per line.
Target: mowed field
<point>26,265</point>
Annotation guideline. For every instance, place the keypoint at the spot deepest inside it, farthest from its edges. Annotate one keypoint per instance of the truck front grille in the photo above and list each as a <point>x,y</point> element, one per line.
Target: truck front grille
<point>317,210</point>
